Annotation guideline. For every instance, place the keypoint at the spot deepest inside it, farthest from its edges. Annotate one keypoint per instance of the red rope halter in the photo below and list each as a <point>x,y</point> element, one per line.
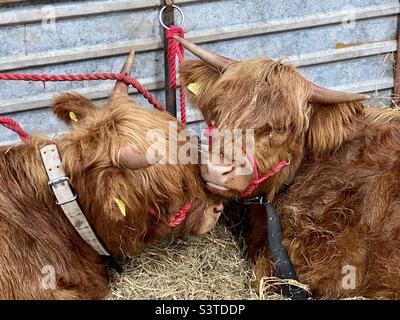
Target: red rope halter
<point>178,217</point>
<point>257,179</point>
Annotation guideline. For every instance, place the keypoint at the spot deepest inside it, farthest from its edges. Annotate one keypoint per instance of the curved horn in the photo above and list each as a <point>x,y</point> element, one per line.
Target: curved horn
<point>318,94</point>
<point>130,158</point>
<point>121,88</point>
<point>328,96</point>
<point>213,59</point>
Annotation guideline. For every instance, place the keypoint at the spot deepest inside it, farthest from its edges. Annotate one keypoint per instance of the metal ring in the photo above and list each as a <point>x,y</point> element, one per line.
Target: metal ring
<point>180,12</point>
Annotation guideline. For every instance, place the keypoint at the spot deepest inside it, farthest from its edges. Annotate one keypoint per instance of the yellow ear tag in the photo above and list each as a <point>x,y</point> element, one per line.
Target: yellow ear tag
<point>121,206</point>
<point>194,88</point>
<point>73,117</point>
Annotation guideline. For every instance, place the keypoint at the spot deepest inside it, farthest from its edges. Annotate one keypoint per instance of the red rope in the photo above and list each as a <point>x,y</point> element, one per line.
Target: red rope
<point>14,126</point>
<point>178,217</point>
<point>85,77</point>
<point>208,132</point>
<point>258,180</point>
<point>176,49</point>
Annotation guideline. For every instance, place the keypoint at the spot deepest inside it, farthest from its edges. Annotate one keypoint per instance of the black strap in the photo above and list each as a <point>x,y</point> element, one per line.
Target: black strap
<point>280,257</point>
<point>114,264</point>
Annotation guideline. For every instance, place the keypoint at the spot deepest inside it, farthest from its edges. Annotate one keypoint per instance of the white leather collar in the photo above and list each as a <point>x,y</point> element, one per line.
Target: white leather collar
<point>66,198</point>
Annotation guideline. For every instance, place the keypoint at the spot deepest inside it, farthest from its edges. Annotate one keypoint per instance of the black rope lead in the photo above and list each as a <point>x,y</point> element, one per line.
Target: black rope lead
<point>283,265</point>
<point>280,257</point>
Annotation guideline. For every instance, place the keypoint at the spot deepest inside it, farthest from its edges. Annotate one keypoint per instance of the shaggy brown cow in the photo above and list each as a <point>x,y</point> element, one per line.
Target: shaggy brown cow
<point>103,157</point>
<point>341,215</point>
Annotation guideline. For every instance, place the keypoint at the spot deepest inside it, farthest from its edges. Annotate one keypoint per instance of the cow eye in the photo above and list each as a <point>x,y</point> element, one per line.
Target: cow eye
<point>265,130</point>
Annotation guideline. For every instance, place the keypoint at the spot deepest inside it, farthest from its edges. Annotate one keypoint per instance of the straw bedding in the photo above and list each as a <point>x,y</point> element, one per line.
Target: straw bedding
<point>212,266</point>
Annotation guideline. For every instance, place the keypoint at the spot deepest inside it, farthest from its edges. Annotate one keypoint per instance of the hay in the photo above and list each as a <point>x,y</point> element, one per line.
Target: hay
<point>209,267</point>
<point>270,285</point>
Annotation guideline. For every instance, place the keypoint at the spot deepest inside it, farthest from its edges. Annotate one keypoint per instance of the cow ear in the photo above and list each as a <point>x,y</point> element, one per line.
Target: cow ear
<point>72,107</point>
<point>198,78</point>
<point>330,125</point>
<point>129,157</point>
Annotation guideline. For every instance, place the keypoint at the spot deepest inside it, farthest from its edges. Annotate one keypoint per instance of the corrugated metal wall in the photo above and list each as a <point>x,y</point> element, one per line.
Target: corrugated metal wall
<point>94,36</point>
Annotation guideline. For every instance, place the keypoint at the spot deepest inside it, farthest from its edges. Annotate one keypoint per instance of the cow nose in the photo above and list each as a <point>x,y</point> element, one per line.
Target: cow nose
<point>218,209</point>
<point>220,170</point>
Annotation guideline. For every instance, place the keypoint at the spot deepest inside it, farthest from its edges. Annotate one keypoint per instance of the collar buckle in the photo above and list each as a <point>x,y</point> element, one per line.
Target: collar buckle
<point>53,183</point>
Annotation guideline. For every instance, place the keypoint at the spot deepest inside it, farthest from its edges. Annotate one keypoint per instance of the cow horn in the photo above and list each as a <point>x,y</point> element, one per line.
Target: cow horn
<point>328,96</point>
<point>131,158</point>
<point>120,87</point>
<point>213,59</point>
<point>318,94</point>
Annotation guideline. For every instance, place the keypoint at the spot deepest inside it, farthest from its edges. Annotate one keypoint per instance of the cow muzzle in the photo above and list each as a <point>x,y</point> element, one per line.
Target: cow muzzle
<point>211,216</point>
<point>227,179</point>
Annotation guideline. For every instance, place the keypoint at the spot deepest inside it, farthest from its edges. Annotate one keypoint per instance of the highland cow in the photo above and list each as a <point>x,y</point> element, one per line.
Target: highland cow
<point>341,214</point>
<point>127,200</point>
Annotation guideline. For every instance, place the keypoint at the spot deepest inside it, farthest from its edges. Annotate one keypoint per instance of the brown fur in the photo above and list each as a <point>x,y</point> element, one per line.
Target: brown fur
<point>33,230</point>
<point>343,207</point>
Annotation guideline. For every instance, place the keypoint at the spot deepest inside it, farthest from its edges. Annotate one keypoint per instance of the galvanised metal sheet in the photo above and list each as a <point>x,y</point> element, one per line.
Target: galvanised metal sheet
<point>95,36</point>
